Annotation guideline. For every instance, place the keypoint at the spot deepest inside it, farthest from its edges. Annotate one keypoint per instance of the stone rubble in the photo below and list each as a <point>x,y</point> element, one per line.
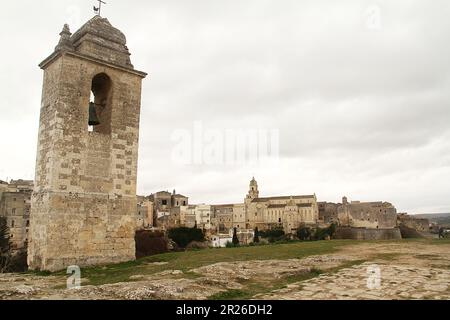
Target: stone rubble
<point>403,275</point>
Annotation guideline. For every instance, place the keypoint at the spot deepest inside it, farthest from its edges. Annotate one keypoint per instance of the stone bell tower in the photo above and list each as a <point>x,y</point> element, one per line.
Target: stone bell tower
<point>84,202</point>
<point>253,192</point>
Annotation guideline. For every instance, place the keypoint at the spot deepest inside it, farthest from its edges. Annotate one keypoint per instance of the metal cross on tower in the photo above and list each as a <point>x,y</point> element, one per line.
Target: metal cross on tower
<point>98,10</point>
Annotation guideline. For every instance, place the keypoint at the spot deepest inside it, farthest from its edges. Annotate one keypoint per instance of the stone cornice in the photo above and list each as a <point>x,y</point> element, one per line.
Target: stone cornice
<point>44,64</point>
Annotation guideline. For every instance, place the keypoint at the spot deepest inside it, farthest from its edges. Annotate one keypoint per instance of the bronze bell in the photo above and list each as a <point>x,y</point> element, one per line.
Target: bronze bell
<point>93,120</point>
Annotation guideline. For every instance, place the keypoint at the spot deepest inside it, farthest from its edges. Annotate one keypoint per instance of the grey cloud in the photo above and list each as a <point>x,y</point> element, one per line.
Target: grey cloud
<point>360,112</point>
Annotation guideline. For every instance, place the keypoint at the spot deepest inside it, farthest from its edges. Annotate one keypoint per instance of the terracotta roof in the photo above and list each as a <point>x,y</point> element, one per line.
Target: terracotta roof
<point>161,193</point>
<point>300,205</point>
<point>282,198</point>
<point>180,196</point>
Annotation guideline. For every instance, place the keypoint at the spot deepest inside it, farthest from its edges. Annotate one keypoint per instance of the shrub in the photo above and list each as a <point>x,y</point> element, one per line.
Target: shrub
<point>235,238</point>
<point>304,233</point>
<point>274,234</point>
<point>332,230</point>
<point>183,236</point>
<point>230,245</point>
<point>19,262</point>
<point>320,234</point>
<point>256,239</point>
<point>150,243</point>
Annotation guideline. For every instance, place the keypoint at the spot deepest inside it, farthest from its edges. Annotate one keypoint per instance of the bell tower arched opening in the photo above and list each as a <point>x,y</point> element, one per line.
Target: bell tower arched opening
<point>100,107</point>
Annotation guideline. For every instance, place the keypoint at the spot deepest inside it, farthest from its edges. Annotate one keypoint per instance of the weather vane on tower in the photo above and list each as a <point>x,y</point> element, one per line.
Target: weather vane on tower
<point>98,10</point>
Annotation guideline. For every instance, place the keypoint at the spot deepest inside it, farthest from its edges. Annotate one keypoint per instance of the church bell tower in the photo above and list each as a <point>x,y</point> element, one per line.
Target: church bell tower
<point>253,192</point>
<point>84,201</point>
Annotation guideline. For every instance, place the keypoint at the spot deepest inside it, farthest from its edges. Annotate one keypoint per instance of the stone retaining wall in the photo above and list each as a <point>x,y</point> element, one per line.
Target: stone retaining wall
<point>367,234</point>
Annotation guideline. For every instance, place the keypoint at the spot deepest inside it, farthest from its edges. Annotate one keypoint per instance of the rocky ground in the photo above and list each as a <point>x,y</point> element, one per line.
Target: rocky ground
<point>408,270</point>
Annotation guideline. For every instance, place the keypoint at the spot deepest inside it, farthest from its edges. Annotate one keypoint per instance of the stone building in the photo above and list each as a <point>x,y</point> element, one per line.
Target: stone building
<point>245,236</point>
<point>288,212</point>
<point>84,202</point>
<point>222,218</point>
<point>369,215</point>
<point>187,216</point>
<point>367,221</point>
<point>3,186</point>
<point>203,215</point>
<point>167,208</point>
<point>418,224</point>
<point>144,219</point>
<point>15,204</point>
<point>239,216</point>
<point>328,212</point>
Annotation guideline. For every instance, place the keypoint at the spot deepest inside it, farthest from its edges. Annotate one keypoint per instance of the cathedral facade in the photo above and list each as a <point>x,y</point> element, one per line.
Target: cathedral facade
<point>288,212</point>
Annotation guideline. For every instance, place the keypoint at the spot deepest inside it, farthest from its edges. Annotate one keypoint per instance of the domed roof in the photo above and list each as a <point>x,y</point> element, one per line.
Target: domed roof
<point>100,28</point>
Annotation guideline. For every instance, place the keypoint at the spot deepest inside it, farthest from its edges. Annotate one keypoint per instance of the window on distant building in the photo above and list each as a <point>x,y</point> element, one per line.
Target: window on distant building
<point>14,211</point>
<point>12,223</point>
<point>164,202</point>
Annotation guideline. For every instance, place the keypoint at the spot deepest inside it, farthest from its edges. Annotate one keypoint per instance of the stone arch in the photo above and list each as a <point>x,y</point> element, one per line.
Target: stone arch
<point>101,94</point>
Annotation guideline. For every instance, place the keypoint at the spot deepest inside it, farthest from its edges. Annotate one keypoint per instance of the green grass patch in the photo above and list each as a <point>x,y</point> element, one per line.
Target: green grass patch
<point>40,273</point>
<point>186,261</point>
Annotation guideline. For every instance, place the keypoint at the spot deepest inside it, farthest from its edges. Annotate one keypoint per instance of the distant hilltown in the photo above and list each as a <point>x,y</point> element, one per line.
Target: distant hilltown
<point>166,210</point>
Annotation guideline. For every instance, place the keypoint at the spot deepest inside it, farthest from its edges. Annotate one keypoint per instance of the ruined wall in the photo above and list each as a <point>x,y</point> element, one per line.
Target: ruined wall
<point>422,225</point>
<point>373,215</point>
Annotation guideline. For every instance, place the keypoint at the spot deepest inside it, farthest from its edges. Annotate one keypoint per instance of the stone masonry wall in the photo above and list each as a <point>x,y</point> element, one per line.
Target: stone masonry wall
<point>84,204</point>
<point>367,234</point>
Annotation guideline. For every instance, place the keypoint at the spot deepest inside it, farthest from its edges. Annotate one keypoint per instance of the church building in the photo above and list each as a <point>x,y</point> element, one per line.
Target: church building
<point>288,212</point>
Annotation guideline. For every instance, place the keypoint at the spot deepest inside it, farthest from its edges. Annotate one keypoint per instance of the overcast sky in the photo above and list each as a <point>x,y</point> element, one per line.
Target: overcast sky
<point>358,90</point>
